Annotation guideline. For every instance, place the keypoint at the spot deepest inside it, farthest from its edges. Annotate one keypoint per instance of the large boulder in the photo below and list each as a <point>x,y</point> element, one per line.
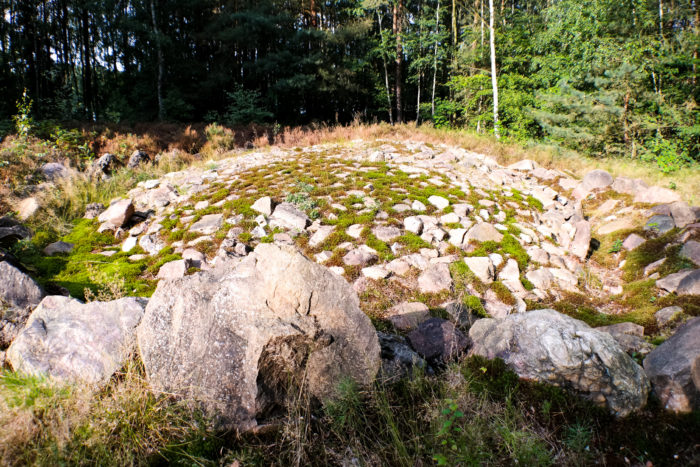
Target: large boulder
<point>547,346</point>
<point>596,180</point>
<point>76,342</point>
<point>17,289</point>
<point>138,158</point>
<point>118,213</point>
<point>674,369</point>
<point>240,337</point>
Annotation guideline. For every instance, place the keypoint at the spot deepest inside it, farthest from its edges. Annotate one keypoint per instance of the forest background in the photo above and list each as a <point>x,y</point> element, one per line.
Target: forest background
<point>604,78</point>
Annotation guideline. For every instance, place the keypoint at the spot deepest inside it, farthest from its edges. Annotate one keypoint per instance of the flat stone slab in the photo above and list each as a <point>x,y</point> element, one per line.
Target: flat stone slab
<point>208,224</point>
<point>435,278</point>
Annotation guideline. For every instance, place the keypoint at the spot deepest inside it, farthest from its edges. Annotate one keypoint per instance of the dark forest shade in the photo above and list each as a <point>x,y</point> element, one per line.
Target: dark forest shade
<point>603,77</point>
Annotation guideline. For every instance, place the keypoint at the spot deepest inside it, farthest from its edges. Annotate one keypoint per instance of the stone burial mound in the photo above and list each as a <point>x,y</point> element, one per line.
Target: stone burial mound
<point>248,335</point>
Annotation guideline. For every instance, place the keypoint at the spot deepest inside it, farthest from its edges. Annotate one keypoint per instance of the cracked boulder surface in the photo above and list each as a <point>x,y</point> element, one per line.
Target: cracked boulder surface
<point>549,347</point>
<point>240,337</point>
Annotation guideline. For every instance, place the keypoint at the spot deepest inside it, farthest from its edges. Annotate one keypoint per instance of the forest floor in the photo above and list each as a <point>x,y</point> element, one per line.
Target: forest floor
<point>472,412</point>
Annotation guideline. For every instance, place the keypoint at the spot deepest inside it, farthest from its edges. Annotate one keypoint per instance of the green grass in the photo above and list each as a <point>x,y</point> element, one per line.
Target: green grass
<point>476,412</point>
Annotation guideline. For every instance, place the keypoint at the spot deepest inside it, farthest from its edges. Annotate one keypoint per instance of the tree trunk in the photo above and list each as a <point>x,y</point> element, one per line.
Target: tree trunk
<point>420,54</point>
<point>386,71</point>
<point>398,30</point>
<point>454,23</point>
<point>159,53</point>
<point>494,80</point>
<point>87,66</point>
<point>437,32</point>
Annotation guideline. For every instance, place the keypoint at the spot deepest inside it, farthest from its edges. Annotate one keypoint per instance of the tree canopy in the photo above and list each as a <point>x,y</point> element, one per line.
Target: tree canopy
<point>603,77</point>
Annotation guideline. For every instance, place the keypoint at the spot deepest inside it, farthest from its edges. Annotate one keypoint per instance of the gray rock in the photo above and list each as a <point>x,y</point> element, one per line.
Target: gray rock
<point>58,248</point>
<point>682,214</point>
<point>669,315</point>
<point>483,232</point>
<point>541,278</point>
<point>93,210</point>
<point>174,269</point>
<point>239,338</point>
<point>439,202</point>
<point>287,216</point>
<point>660,224</point>
<point>104,165</point>
<point>360,256</point>
<point>685,282</point>
<point>582,239</point>
<point>407,315</point>
<point>549,347</point>
<point>674,369</point>
<point>118,213</point>
<point>462,316</point>
<point>17,289</point>
<point>138,158</point>
<point>263,206</point>
<point>11,231</point>
<point>691,251</point>
<point>633,241</point>
<point>195,257</point>
<point>413,224</point>
<point>208,224</point>
<point>54,170</point>
<point>418,206</point>
<point>386,233</point>
<point>71,341</point>
<point>629,336</point>
<point>482,267</point>
<point>398,359</point>
<point>435,278</point>
<point>321,235</point>
<point>151,244</point>
<point>438,340</point>
<point>525,165</point>
<point>656,195</point>
<point>12,321</point>
<point>628,185</point>
<point>597,180</point>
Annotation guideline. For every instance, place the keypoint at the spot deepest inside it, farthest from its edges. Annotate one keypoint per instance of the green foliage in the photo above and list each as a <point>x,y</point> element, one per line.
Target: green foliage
<point>616,246</point>
<point>667,155</point>
<point>245,107</point>
<point>23,118</point>
<point>302,199</point>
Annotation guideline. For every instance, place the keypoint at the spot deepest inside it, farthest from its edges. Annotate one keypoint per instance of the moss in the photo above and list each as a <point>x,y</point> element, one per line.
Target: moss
<point>509,247</point>
<point>652,250</point>
<point>462,275</point>
<point>535,203</point>
<point>382,248</point>
<point>83,268</point>
<point>412,242</point>
<point>526,283</point>
<point>245,237</point>
<point>503,293</point>
<point>474,304</point>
